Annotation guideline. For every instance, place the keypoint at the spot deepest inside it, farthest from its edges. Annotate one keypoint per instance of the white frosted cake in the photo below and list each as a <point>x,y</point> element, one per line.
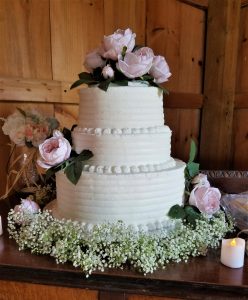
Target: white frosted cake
<point>132,176</point>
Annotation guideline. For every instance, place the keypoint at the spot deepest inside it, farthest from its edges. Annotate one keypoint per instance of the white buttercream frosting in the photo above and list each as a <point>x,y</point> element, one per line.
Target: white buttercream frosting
<point>131,176</point>
<point>117,147</point>
<point>121,107</point>
<point>139,198</point>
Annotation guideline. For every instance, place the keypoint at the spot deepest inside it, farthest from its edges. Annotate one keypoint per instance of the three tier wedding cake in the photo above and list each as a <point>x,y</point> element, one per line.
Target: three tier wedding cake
<point>131,176</point>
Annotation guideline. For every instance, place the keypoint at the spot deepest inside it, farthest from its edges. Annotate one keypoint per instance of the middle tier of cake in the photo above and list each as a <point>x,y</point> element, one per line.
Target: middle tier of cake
<point>126,147</point>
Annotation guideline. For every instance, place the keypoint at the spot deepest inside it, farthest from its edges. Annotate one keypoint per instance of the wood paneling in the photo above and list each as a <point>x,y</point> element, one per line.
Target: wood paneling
<point>203,4</point>
<point>126,14</point>
<point>25,39</point>
<point>18,89</point>
<point>184,124</point>
<point>219,88</point>
<point>44,44</point>
<point>179,36</point>
<point>66,114</point>
<point>240,127</point>
<point>242,63</point>
<point>77,27</point>
<point>240,139</point>
<point>16,290</point>
<point>183,100</point>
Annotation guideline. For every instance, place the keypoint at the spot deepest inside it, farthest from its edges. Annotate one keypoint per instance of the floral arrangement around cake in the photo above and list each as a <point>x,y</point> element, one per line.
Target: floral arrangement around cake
<point>118,60</point>
<point>201,224</point>
<point>114,245</point>
<point>26,129</point>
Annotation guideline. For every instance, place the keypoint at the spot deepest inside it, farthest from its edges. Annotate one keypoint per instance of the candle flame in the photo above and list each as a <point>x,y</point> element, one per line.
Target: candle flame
<point>233,242</point>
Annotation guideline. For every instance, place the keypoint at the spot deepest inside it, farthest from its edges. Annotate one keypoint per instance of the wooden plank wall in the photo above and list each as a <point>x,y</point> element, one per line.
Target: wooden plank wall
<point>43,45</point>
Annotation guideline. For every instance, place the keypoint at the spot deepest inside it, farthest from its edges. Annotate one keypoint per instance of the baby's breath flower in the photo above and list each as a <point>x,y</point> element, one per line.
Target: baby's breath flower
<point>114,245</point>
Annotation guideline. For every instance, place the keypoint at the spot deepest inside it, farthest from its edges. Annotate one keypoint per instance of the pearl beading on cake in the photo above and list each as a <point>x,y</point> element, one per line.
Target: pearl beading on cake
<point>122,131</point>
<point>129,169</point>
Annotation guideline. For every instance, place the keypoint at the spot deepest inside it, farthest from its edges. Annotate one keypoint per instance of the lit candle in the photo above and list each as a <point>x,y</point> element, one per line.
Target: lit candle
<point>233,252</point>
<point>1,227</point>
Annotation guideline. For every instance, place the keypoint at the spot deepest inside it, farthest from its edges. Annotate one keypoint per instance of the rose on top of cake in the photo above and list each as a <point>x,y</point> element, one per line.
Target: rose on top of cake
<point>119,60</point>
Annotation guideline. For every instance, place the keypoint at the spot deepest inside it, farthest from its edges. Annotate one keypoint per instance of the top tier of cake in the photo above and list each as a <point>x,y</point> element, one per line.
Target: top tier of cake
<point>121,107</point>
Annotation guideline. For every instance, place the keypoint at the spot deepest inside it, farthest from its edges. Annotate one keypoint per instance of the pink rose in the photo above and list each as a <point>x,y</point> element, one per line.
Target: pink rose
<point>27,205</point>
<point>107,72</point>
<point>200,180</point>
<point>113,44</point>
<point>93,60</point>
<point>136,64</point>
<point>54,150</point>
<point>206,199</point>
<point>160,69</point>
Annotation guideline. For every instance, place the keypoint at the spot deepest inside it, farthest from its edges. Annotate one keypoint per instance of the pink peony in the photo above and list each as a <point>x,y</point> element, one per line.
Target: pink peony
<point>107,72</point>
<point>136,64</point>
<point>94,60</point>
<point>54,150</point>
<point>27,205</point>
<point>200,180</point>
<point>206,199</point>
<point>160,69</point>
<point>113,44</point>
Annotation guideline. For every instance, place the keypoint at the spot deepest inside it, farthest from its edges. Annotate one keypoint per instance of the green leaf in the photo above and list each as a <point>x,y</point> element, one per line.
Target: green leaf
<point>84,155</point>
<point>146,77</point>
<point>104,84</point>
<point>49,173</point>
<point>152,83</point>
<point>77,83</point>
<point>83,81</point>
<point>121,82</point>
<point>193,151</point>
<point>123,52</point>
<point>192,214</point>
<point>193,169</point>
<point>97,74</point>
<point>176,212</point>
<point>119,76</point>
<point>73,126</point>
<point>86,76</point>
<point>67,134</point>
<point>74,171</point>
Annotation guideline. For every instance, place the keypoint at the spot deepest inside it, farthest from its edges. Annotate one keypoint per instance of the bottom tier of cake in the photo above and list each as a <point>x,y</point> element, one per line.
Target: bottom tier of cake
<point>141,200</point>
